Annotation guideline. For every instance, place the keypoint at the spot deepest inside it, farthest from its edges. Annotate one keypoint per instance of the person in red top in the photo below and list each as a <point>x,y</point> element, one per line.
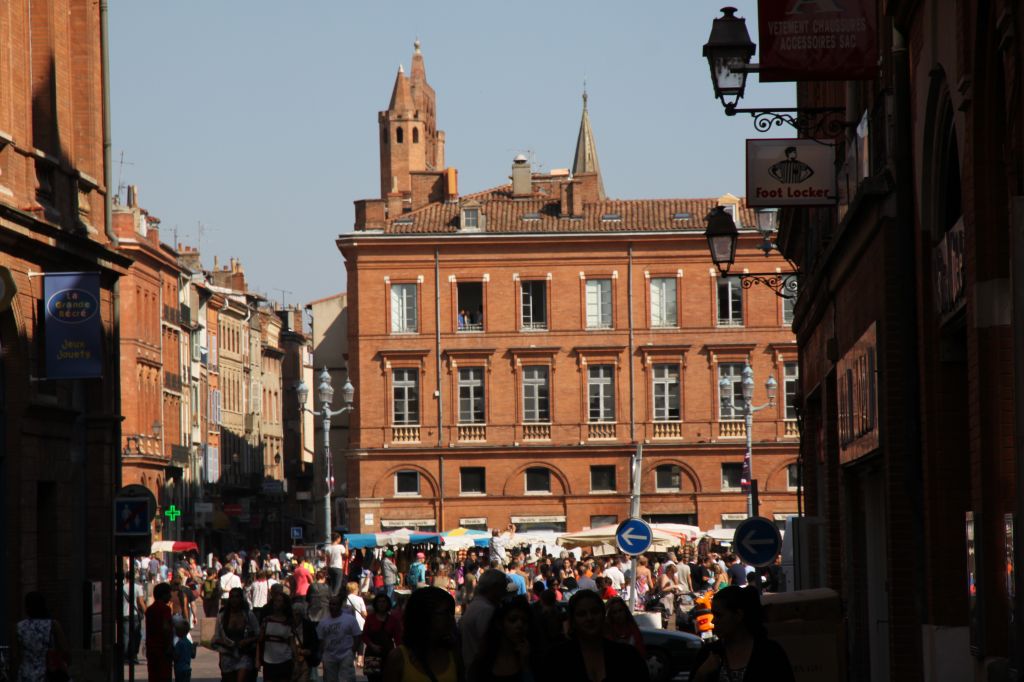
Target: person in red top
<point>302,579</point>
<point>159,635</point>
<point>382,632</point>
<point>607,591</point>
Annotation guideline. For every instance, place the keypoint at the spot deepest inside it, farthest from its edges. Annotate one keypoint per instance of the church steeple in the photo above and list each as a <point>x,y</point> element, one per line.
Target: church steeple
<point>409,140</point>
<point>586,151</point>
<point>401,95</point>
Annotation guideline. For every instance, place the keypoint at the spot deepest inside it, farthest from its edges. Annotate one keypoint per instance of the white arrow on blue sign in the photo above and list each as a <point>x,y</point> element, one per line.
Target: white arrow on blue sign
<point>634,536</point>
<point>757,541</point>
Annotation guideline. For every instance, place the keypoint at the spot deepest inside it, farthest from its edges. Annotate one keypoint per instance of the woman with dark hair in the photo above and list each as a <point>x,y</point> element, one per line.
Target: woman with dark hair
<point>318,596</point>
<point>743,650</point>
<point>381,634</point>
<point>506,654</point>
<point>37,634</point>
<point>589,656</point>
<point>159,635</point>
<point>620,626</point>
<point>235,638</point>
<point>278,649</point>
<point>428,652</point>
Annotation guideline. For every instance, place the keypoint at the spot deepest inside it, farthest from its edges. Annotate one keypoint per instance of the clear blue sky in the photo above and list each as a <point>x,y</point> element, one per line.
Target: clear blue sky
<point>259,119</point>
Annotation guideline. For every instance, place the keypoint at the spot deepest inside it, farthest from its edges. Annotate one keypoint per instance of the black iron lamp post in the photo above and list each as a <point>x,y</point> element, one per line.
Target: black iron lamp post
<point>729,51</point>
<point>722,234</point>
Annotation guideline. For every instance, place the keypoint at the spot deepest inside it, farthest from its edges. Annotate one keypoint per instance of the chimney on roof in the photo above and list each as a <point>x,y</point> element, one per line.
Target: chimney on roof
<point>522,181</point>
<point>133,196</point>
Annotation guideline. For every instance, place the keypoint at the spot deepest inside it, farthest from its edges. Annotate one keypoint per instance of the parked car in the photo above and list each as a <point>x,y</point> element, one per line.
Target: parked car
<point>669,653</point>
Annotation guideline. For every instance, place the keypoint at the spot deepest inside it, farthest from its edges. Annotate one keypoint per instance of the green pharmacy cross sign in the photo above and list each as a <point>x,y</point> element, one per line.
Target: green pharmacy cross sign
<point>172,513</point>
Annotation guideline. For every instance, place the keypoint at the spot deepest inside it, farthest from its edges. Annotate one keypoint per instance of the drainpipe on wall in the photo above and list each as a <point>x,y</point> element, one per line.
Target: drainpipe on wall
<point>1017,261</point>
<point>629,306</point>
<point>437,390</point>
<point>113,592</point>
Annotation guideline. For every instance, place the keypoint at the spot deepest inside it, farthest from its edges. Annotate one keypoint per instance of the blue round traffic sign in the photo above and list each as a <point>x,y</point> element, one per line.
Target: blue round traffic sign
<point>634,536</point>
<point>757,541</point>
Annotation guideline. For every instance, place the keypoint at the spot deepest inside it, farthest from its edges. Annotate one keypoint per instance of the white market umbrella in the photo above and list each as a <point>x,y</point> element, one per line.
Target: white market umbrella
<point>602,539</point>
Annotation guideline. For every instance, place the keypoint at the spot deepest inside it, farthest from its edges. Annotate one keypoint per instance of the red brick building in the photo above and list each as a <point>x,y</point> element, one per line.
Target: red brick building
<point>150,353</point>
<point>59,438</point>
<point>510,347</point>
<point>911,334</point>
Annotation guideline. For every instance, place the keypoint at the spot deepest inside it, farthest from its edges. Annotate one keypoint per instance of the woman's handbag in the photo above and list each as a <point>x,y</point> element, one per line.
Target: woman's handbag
<point>56,665</point>
<point>372,664</point>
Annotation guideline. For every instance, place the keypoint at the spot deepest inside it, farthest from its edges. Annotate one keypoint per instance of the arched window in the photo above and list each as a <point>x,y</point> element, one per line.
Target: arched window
<point>415,135</point>
<point>399,135</point>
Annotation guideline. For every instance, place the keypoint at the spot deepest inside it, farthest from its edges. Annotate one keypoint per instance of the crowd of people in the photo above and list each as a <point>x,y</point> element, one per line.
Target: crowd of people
<point>416,613</point>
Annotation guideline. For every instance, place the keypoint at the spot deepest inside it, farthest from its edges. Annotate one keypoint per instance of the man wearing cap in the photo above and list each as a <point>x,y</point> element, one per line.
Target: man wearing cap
<point>490,589</point>
<point>390,571</point>
<point>418,572</point>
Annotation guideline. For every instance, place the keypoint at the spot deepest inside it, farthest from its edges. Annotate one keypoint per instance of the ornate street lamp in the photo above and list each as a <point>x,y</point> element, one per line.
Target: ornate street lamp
<point>725,388</point>
<point>729,51</point>
<point>325,394</point>
<point>722,234</point>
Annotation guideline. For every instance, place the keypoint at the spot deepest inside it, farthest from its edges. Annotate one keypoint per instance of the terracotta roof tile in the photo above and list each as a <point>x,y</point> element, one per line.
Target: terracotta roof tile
<point>505,215</point>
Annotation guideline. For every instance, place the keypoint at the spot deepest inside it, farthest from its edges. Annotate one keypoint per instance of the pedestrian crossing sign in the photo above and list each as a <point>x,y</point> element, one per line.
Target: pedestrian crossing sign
<point>131,516</point>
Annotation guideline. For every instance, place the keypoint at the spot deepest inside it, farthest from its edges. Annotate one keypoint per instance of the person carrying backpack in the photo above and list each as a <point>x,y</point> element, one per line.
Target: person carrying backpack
<point>210,593</point>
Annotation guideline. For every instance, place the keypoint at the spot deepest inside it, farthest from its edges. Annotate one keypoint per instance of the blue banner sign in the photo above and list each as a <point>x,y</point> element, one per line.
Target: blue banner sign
<point>74,332</point>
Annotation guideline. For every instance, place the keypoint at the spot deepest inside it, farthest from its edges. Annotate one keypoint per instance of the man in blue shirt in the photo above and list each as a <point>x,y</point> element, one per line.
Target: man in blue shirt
<point>516,576</point>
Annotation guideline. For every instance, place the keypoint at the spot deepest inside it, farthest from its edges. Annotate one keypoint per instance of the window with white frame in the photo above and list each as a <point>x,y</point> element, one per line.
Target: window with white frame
<point>668,478</point>
<point>732,476</point>
<point>601,392</point>
<point>730,302</point>
<point>403,308</point>
<point>666,393</point>
<point>406,392</point>
<point>792,477</point>
<point>538,480</point>
<point>536,405</point>
<point>472,480</point>
<point>602,478</point>
<point>407,483</point>
<point>471,219</point>
<point>534,304</point>
<point>730,399</point>
<point>791,383</point>
<point>599,304</point>
<point>663,302</point>
<point>471,395</point>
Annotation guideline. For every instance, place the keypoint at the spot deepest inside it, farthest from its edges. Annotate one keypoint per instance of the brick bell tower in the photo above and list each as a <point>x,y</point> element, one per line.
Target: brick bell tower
<point>409,139</point>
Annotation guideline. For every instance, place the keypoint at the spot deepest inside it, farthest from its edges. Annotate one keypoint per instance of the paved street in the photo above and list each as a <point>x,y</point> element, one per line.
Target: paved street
<point>204,668</point>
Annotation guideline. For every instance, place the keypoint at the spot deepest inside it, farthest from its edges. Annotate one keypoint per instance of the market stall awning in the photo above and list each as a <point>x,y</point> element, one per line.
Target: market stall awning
<point>400,536</point>
<point>464,538</point>
<point>173,546</point>
<point>602,539</point>
<point>681,529</point>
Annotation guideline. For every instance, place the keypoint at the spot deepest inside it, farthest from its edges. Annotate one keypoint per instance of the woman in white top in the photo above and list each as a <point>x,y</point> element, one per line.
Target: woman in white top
<point>37,633</point>
<point>258,593</point>
<point>357,606</point>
